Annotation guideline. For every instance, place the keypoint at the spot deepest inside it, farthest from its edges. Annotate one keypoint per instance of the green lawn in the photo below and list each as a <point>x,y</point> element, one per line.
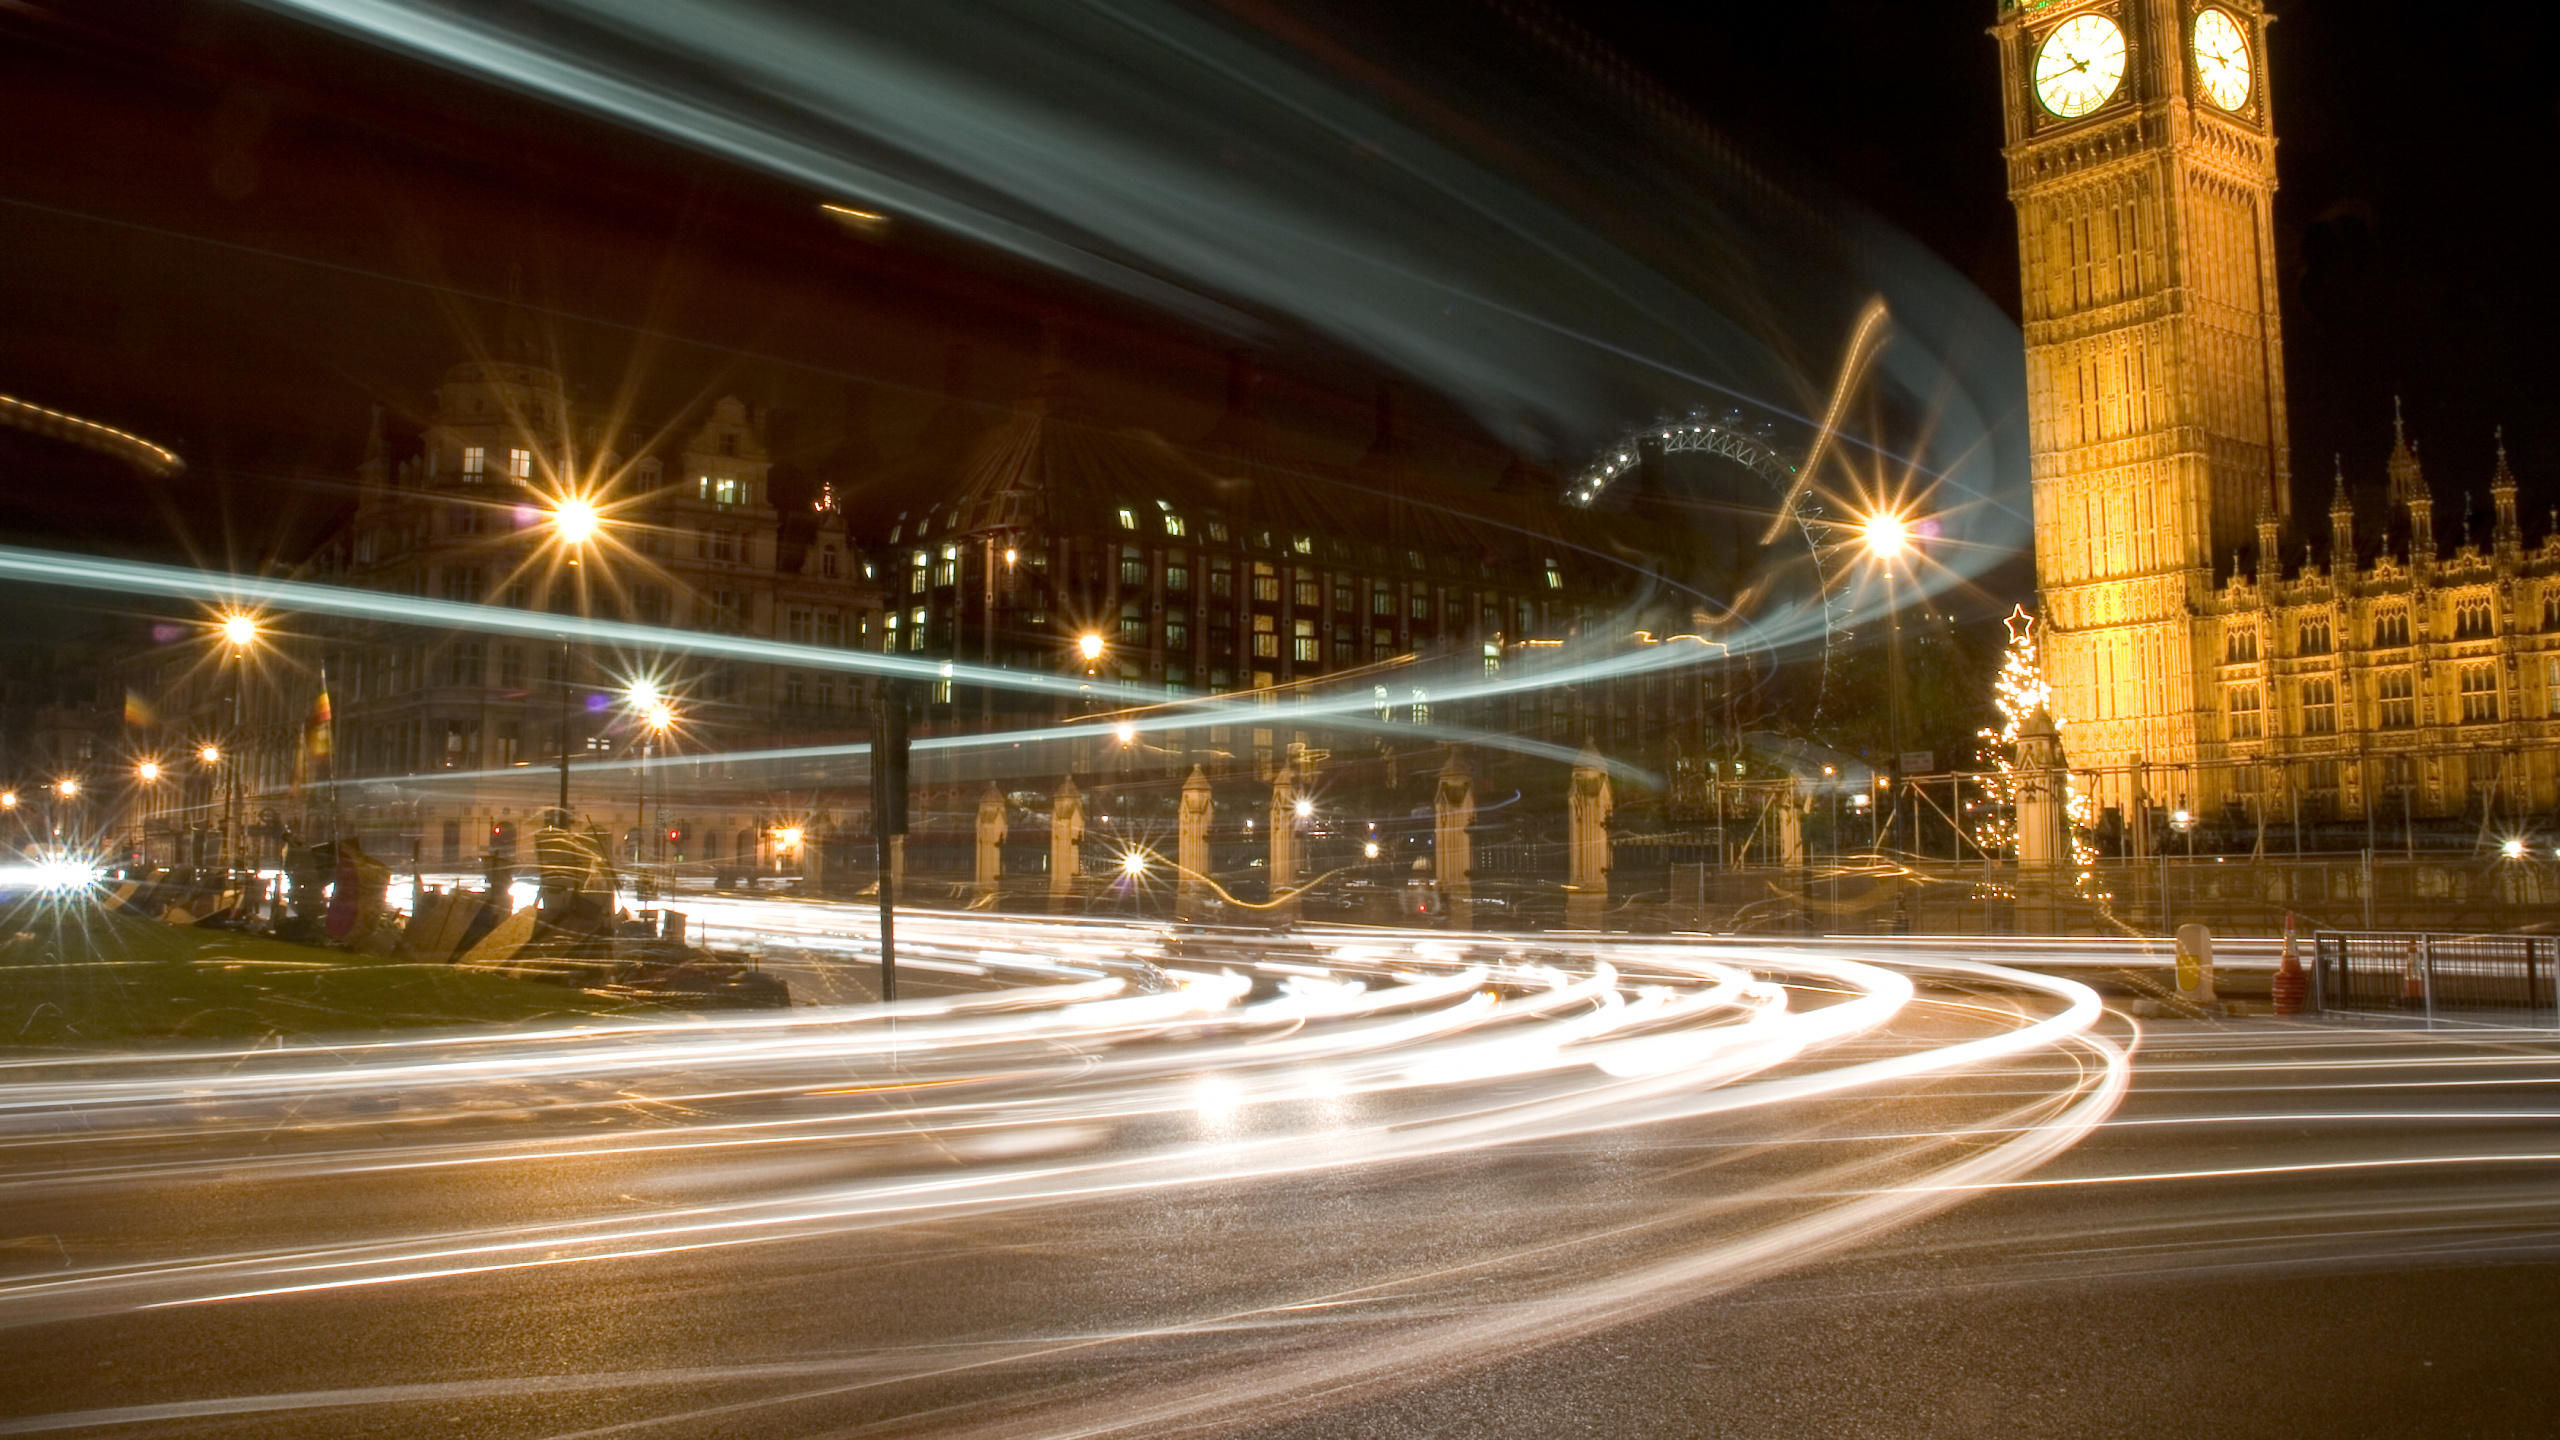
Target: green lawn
<point>76,977</point>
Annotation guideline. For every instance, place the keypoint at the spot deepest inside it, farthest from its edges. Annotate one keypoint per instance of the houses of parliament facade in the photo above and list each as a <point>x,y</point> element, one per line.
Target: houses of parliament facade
<point>2209,650</point>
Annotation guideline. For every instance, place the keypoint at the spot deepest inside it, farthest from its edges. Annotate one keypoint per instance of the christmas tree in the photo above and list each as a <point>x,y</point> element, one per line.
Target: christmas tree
<point>2019,692</point>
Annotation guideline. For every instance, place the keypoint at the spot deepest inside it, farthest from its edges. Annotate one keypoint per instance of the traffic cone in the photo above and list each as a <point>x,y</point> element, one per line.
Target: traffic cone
<point>2292,987</point>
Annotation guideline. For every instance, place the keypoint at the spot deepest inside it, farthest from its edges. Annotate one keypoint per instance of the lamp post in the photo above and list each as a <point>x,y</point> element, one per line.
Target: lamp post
<point>147,773</point>
<point>65,791</point>
<point>1886,534</point>
<point>239,631</point>
<point>657,717</point>
<point>574,521</point>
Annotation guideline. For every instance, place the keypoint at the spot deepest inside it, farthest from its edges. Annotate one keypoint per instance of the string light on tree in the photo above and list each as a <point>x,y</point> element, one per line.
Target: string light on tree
<point>2019,691</point>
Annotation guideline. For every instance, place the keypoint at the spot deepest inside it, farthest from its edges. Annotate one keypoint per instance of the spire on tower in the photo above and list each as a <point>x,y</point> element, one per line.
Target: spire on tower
<point>2507,534</point>
<point>2408,480</point>
<point>376,468</point>
<point>2342,523</point>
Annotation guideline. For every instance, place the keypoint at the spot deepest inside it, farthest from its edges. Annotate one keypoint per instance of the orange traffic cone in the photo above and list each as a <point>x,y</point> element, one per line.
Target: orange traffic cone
<point>2292,987</point>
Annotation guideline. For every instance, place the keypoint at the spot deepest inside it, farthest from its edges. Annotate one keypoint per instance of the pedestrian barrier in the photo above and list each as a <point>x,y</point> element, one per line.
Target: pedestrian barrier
<point>2484,979</point>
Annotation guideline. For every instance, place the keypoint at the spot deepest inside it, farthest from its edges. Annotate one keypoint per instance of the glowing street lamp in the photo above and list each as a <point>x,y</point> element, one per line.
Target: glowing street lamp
<point>1134,864</point>
<point>147,772</point>
<point>1127,732</point>
<point>2513,849</point>
<point>211,754</point>
<point>1089,645</point>
<point>1306,807</point>
<point>68,787</point>
<point>1886,534</point>
<point>575,520</point>
<point>239,629</point>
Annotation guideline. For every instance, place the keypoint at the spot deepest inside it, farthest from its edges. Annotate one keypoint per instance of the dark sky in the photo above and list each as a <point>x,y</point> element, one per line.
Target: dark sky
<point>293,227</point>
<point>2416,163</point>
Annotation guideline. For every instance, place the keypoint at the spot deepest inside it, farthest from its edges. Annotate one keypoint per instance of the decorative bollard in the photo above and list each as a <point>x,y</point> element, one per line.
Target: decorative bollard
<point>2292,986</point>
<point>2195,965</point>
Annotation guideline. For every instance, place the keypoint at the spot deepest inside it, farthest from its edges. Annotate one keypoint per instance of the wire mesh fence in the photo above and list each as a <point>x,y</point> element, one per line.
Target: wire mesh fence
<point>2486,978</point>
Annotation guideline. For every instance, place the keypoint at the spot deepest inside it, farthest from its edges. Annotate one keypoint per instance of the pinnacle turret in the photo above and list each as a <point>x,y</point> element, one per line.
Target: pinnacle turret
<point>2507,534</point>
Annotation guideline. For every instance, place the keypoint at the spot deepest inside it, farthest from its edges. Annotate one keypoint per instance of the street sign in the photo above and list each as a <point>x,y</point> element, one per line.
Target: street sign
<point>1919,762</point>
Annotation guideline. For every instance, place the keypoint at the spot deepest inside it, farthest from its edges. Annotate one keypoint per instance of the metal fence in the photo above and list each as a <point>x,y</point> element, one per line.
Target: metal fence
<point>2481,978</point>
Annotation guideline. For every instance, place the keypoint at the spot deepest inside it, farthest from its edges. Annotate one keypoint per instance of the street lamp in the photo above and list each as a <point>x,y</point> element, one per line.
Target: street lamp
<point>147,772</point>
<point>657,717</point>
<point>575,520</point>
<point>1886,534</point>
<point>238,630</point>
<point>1090,646</point>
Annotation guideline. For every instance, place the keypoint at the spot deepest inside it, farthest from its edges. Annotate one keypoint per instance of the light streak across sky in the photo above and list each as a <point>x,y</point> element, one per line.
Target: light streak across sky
<point>1239,174</point>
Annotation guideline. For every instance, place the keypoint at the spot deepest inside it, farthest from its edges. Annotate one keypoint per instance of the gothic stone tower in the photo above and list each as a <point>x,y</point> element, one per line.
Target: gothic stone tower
<point>2142,163</point>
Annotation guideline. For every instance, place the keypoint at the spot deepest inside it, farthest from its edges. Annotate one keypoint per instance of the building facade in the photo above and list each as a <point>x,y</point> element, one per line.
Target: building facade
<point>2141,159</point>
<point>2383,678</point>
<point>442,744</point>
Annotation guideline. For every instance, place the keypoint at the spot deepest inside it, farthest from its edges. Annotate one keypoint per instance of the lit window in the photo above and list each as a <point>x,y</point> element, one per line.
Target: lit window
<point>475,462</point>
<point>2243,706</point>
<point>1555,576</point>
<point>1303,644</point>
<point>1303,544</point>
<point>520,464</point>
<point>1421,707</point>
<point>1128,518</point>
<point>2319,707</point>
<point>2398,696</point>
<point>1173,525</point>
<point>915,628</point>
<point>2479,694</point>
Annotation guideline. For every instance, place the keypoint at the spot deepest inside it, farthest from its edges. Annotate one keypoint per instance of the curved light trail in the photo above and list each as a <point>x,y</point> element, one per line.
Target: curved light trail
<point>1104,1063</point>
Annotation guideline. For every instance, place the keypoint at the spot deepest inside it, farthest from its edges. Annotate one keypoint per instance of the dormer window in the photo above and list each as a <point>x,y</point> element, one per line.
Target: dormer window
<point>1128,518</point>
<point>827,562</point>
<point>1173,526</point>
<point>722,490</point>
<point>728,444</point>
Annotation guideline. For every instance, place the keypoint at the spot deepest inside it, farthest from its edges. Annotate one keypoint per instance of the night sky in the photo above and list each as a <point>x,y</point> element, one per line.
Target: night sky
<point>233,233</point>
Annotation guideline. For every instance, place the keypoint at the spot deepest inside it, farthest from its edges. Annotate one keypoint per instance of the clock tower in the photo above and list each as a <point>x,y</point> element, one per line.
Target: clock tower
<point>2142,164</point>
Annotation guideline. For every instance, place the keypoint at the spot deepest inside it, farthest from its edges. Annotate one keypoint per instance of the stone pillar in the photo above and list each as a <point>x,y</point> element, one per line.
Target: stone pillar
<point>1066,839</point>
<point>2044,839</point>
<point>1790,817</point>
<point>1588,804</point>
<point>1191,845</point>
<point>992,830</point>
<point>1283,863</point>
<point>1453,851</point>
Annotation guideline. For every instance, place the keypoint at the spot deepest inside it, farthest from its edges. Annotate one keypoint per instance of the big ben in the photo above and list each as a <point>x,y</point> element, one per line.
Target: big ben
<point>2142,164</point>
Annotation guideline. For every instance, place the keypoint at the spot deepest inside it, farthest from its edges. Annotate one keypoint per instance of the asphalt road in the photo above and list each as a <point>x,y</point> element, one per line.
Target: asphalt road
<point>2279,1229</point>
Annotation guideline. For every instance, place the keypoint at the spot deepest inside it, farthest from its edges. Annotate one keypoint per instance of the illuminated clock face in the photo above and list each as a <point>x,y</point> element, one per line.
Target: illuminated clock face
<point>2222,59</point>
<point>2080,65</point>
